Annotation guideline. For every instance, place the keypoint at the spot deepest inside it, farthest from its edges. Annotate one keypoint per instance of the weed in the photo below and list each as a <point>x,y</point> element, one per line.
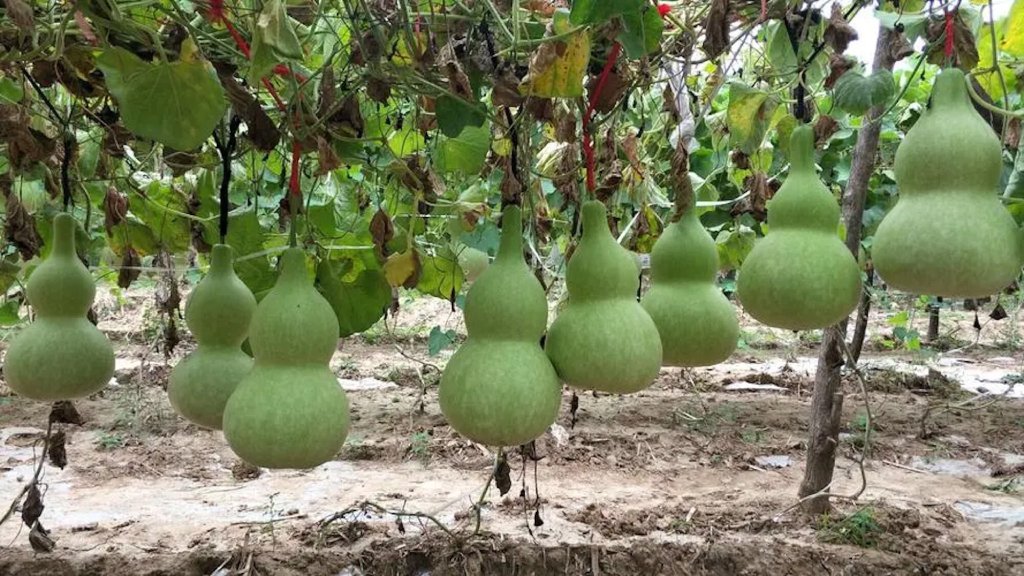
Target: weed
<point>111,441</point>
<point>1013,485</point>
<point>859,529</point>
<point>752,436</point>
<point>419,446</point>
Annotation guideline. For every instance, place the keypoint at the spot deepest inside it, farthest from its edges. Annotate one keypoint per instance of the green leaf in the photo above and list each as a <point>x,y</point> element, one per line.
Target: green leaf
<point>177,104</point>
<point>441,275</point>
<point>358,304</point>
<point>748,116</point>
<point>439,340</point>
<point>586,12</point>
<point>856,93</point>
<point>465,153</point>
<point>11,91</point>
<point>780,49</point>
<point>1013,41</point>
<point>485,237</point>
<point>455,114</point>
<point>9,313</point>
<point>641,32</point>
<point>986,76</point>
<point>275,29</point>
<point>159,211</point>
<point>262,61</point>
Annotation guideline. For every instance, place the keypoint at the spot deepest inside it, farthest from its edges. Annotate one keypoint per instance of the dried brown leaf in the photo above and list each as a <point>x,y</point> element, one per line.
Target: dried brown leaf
<point>32,506</point>
<point>839,33</point>
<point>21,14</point>
<point>57,452</point>
<point>382,230</point>
<point>716,29</point>
<point>838,65</point>
<point>64,412</point>
<point>824,128</point>
<point>129,270</point>
<point>20,227</point>
<point>115,208</point>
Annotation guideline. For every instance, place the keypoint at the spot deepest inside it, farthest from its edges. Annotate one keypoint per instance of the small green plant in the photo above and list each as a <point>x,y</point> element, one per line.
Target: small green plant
<point>903,332</point>
<point>859,529</point>
<point>752,436</point>
<point>1013,485</point>
<point>111,441</point>
<point>419,447</point>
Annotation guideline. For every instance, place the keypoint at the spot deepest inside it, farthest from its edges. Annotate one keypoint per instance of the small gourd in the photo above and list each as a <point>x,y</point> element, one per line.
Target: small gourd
<point>499,388</point>
<point>697,324</point>
<point>218,313</point>
<point>800,275</point>
<point>948,234</point>
<point>603,340</point>
<point>61,355</point>
<point>289,411</point>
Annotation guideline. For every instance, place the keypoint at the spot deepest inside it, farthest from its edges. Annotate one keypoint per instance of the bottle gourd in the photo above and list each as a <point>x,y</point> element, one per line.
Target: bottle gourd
<point>218,313</point>
<point>60,355</point>
<point>800,275</point>
<point>697,324</point>
<point>948,234</point>
<point>289,411</point>
<point>499,388</point>
<point>603,340</point>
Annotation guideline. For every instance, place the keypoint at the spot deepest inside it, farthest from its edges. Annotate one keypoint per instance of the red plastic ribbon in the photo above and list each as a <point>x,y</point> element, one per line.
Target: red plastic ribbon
<point>588,145</point>
<point>949,36</point>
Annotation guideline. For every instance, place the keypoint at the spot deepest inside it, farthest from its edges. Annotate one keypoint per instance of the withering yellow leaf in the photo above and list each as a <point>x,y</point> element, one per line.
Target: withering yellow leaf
<point>403,269</point>
<point>558,67</point>
<point>1013,40</point>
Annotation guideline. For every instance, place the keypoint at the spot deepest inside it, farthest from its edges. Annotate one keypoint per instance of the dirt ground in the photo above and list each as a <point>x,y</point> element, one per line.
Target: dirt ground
<point>696,475</point>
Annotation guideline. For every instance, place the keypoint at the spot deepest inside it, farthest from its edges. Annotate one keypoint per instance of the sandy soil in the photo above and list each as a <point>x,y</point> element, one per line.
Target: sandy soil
<point>697,475</point>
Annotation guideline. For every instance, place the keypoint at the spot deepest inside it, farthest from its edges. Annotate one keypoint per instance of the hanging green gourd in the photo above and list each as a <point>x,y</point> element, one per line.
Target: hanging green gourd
<point>218,313</point>
<point>60,355</point>
<point>800,275</point>
<point>499,388</point>
<point>697,324</point>
<point>603,339</point>
<point>948,234</point>
<point>289,411</point>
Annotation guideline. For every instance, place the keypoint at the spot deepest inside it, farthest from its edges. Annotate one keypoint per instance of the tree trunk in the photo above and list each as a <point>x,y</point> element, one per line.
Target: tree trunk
<point>860,330</point>
<point>827,400</point>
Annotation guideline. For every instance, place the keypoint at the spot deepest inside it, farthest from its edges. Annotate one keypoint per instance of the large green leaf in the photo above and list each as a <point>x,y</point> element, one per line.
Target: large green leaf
<point>455,114</point>
<point>466,153</point>
<point>856,93</point>
<point>440,275</point>
<point>160,209</point>
<point>914,25</point>
<point>600,11</point>
<point>641,32</point>
<point>748,116</point>
<point>177,104</point>
<point>358,304</point>
<point>275,29</point>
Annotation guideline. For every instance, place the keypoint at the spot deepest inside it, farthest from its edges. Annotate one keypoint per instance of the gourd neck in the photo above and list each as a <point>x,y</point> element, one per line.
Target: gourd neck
<point>801,150</point>
<point>950,90</point>
<point>221,260</point>
<point>511,247</point>
<point>293,266</point>
<point>595,221</point>
<point>64,236</point>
